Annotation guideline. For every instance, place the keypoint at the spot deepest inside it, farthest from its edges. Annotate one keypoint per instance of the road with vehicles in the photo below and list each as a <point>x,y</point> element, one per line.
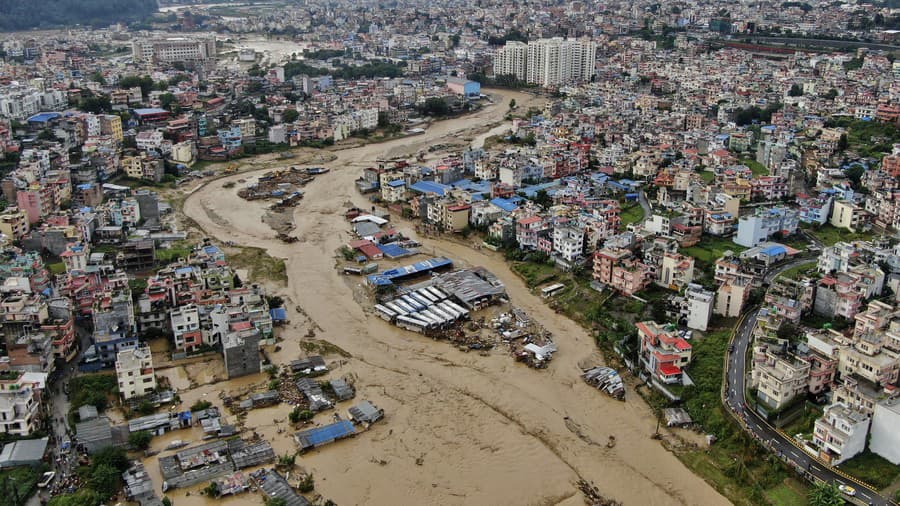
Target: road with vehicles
<point>777,442</point>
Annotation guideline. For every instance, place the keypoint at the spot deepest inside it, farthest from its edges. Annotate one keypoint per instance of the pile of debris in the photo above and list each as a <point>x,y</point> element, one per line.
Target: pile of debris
<point>280,184</point>
<point>528,341</point>
<point>592,496</point>
<point>606,379</point>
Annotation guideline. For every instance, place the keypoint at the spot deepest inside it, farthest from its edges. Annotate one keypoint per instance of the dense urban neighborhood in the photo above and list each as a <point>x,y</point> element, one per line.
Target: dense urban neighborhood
<point>233,235</point>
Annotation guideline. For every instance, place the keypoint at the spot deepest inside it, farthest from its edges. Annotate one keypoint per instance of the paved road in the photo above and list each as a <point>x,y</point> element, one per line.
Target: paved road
<point>642,199</point>
<point>776,442</point>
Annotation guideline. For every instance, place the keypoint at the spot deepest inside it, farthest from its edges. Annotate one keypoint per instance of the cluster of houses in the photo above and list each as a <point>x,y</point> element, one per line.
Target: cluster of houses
<point>854,366</point>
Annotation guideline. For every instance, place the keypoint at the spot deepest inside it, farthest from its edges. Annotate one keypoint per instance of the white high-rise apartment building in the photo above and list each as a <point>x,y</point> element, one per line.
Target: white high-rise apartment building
<point>547,62</point>
<point>511,59</point>
<point>558,61</point>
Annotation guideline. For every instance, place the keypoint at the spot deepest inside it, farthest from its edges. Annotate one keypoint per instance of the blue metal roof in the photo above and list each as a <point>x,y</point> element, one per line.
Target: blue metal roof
<point>392,250</point>
<point>278,314</point>
<point>43,117</point>
<point>397,182</point>
<point>326,434</point>
<point>775,249</point>
<point>505,204</point>
<point>429,187</point>
<point>149,110</point>
<point>387,277</point>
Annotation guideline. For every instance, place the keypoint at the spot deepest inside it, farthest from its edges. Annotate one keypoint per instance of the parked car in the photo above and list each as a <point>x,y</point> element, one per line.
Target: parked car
<point>847,489</point>
<point>46,479</point>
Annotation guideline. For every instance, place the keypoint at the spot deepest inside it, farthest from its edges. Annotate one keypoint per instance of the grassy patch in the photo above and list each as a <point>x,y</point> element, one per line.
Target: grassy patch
<point>56,268</point>
<point>711,248</point>
<point>707,176</point>
<point>756,168</point>
<point>320,347</point>
<point>804,423</point>
<point>789,493</point>
<point>829,235</point>
<point>18,483</point>
<point>169,255</point>
<point>92,389</point>
<point>872,469</point>
<point>631,214</point>
<point>799,271</point>
<point>535,273</point>
<point>259,264</point>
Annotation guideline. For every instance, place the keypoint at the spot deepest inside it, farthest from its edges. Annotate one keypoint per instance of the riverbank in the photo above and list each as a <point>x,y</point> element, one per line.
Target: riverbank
<point>460,428</point>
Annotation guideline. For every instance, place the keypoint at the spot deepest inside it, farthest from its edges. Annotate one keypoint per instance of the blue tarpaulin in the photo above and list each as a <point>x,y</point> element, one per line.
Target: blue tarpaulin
<point>393,251</point>
<point>278,314</point>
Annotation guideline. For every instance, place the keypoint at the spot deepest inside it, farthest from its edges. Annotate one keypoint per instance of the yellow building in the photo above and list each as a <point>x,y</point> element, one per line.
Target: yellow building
<point>132,167</point>
<point>847,215</point>
<point>14,224</point>
<point>111,125</point>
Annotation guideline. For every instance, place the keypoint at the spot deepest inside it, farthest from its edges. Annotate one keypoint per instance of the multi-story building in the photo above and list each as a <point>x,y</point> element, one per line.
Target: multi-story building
<point>619,270</point>
<point>779,379</point>
<point>568,243</point>
<point>558,61</point>
<point>840,434</point>
<point>241,351</point>
<point>697,307</point>
<point>134,372</point>
<point>757,228</point>
<point>512,60</point>
<point>14,224</point>
<point>663,354</point>
<point>850,216</point>
<point>732,294</point>
<point>185,321</point>
<point>675,271</point>
<point>174,49</point>
<point>527,230</point>
<point>885,440</point>
<point>20,398</point>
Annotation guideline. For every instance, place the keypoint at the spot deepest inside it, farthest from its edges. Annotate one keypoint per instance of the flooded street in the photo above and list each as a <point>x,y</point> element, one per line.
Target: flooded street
<point>459,428</point>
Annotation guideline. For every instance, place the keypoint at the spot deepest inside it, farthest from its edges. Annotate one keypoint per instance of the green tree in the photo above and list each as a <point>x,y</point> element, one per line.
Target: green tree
<point>795,91</point>
<point>435,106</point>
<point>83,497</point>
<point>843,143</point>
<point>512,103</point>
<point>212,490</point>
<point>97,77</point>
<point>825,494</point>
<point>855,174</point>
<point>290,115</point>
<point>543,199</point>
<point>112,457</point>
<point>104,479</point>
<point>275,501</point>
<point>166,100</point>
<point>201,405</point>
<point>140,439</point>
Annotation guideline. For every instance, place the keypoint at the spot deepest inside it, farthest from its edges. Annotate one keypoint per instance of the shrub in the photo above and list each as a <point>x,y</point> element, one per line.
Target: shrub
<point>201,405</point>
<point>140,439</point>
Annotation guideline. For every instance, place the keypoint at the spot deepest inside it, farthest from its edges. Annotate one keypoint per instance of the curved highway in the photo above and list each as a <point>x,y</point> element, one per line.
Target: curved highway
<point>777,442</point>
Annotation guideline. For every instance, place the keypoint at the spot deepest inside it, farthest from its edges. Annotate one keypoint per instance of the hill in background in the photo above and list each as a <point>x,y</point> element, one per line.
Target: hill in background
<point>25,15</point>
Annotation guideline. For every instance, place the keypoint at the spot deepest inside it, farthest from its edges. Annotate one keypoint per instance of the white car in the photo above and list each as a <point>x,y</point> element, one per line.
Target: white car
<point>847,489</point>
<point>46,479</point>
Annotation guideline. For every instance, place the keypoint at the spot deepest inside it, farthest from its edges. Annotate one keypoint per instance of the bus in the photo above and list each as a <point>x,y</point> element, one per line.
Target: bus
<point>552,290</point>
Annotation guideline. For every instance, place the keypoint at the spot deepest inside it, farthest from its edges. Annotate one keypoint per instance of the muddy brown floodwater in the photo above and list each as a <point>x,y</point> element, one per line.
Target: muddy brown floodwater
<point>460,428</point>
